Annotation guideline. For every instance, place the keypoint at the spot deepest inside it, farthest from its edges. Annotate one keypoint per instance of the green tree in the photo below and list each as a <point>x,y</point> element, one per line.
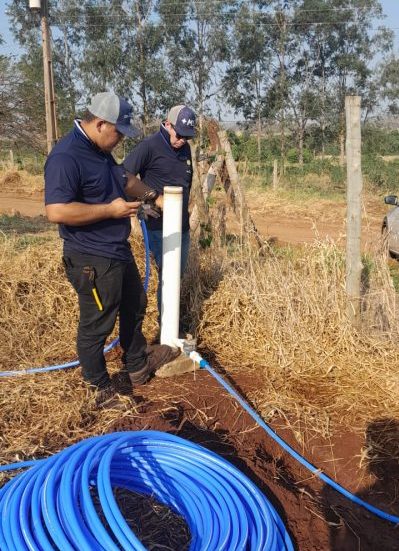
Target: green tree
<point>283,46</point>
<point>25,26</point>
<point>197,46</point>
<point>100,45</point>
<point>247,78</point>
<point>390,84</point>
<point>344,43</point>
<point>119,46</point>
<point>19,124</point>
<point>313,19</point>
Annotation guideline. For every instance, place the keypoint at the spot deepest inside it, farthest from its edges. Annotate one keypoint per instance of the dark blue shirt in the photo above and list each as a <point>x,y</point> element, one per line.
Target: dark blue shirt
<point>160,165</point>
<point>77,171</point>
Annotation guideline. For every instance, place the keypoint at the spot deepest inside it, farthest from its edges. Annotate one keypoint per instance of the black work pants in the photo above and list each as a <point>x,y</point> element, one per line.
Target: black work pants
<point>118,289</point>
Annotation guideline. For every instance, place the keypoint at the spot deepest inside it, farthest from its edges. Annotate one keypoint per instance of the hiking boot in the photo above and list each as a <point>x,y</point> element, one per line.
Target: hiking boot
<point>158,355</point>
<point>108,398</point>
<point>121,382</point>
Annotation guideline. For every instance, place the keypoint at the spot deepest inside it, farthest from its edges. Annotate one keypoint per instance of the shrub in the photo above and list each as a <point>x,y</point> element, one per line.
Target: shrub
<point>292,155</point>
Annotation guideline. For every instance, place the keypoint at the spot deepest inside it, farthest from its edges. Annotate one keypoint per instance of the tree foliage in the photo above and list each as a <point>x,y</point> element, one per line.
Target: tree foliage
<point>282,65</point>
<point>197,44</point>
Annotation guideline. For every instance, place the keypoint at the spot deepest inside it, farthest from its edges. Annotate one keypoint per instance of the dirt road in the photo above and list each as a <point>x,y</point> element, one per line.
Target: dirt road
<point>27,206</point>
<point>280,222</point>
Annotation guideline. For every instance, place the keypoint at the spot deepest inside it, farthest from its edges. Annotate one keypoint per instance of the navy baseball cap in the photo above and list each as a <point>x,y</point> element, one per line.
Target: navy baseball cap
<point>116,110</point>
<point>183,120</point>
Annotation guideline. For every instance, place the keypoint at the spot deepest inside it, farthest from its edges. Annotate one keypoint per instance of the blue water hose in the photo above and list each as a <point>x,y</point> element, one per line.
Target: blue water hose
<point>314,470</point>
<point>110,346</point>
<point>51,505</point>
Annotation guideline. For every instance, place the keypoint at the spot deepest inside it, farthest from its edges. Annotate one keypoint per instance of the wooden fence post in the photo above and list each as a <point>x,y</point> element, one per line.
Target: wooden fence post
<point>353,217</point>
<point>275,174</point>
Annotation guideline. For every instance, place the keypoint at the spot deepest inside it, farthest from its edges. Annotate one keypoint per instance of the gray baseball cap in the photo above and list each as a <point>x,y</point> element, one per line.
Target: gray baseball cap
<point>116,110</point>
<point>183,120</point>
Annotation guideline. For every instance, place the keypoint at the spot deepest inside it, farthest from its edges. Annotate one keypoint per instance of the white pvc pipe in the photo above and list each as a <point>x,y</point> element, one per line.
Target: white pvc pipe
<point>34,4</point>
<point>171,261</point>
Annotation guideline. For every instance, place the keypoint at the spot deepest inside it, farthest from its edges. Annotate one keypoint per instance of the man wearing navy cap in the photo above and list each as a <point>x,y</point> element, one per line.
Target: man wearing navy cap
<point>164,159</point>
<point>86,193</point>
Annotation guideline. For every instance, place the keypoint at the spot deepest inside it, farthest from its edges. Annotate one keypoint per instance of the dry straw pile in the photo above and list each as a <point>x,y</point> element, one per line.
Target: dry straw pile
<point>21,182</point>
<point>282,318</point>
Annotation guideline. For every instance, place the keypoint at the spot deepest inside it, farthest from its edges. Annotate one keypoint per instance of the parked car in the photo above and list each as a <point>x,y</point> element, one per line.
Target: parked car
<point>390,226</point>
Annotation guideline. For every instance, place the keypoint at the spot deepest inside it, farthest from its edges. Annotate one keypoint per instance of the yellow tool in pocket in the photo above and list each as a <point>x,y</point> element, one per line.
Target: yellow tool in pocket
<point>90,272</point>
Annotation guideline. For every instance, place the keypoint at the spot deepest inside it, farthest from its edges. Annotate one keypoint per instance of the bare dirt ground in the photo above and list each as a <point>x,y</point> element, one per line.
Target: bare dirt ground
<point>317,517</point>
<point>195,407</point>
<point>27,206</point>
<point>282,222</point>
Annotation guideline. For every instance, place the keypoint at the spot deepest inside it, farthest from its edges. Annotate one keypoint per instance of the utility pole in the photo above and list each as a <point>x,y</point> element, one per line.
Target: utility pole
<point>49,95</point>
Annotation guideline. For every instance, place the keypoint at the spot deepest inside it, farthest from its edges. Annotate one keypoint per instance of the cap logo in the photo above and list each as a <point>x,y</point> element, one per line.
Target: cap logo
<point>188,122</point>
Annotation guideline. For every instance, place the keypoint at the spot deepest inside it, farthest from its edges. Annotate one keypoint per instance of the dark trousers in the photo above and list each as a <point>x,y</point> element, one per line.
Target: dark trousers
<point>118,288</point>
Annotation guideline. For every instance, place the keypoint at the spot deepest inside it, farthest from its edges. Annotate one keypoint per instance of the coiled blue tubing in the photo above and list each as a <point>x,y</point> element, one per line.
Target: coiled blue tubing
<point>110,346</point>
<point>50,505</point>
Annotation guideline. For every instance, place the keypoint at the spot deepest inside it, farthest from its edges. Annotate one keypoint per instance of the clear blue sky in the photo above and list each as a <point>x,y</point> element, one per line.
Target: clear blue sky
<point>390,7</point>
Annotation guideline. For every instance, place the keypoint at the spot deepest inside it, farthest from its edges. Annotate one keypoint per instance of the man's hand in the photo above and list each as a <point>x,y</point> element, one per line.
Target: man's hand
<point>159,202</point>
<point>119,208</point>
<point>149,209</point>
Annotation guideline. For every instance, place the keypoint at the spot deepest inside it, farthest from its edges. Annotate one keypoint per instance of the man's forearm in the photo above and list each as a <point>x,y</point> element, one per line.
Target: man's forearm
<point>135,187</point>
<point>77,214</point>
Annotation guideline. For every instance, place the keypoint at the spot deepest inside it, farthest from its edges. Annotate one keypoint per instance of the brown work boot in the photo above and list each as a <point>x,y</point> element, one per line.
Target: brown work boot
<point>121,382</point>
<point>109,398</point>
<point>158,355</point>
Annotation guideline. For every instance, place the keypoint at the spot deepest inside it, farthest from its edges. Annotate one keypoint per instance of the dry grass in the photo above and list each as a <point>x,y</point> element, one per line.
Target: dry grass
<point>38,307</point>
<point>41,414</point>
<point>283,316</point>
<point>21,182</point>
<point>284,204</point>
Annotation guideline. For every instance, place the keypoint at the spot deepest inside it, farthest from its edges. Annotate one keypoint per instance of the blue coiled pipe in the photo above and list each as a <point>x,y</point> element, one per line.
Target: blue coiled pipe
<point>50,505</point>
<point>110,346</point>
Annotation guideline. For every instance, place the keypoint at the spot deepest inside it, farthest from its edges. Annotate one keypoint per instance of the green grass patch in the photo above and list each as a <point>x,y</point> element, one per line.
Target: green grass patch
<point>24,241</point>
<point>18,224</point>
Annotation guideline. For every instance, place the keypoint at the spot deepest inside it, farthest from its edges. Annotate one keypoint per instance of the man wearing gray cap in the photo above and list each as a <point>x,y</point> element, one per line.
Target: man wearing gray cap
<point>86,193</point>
<point>164,159</point>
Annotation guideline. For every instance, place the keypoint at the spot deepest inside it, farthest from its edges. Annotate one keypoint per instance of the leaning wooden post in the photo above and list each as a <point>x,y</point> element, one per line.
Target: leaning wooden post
<point>241,210</point>
<point>199,214</point>
<point>353,217</point>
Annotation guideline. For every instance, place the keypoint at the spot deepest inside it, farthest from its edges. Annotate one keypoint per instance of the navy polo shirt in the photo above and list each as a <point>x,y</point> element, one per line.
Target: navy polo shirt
<point>160,165</point>
<point>76,170</point>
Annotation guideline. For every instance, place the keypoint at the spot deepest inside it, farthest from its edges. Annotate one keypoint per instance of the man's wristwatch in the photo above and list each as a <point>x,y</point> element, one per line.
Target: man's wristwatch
<point>151,195</point>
